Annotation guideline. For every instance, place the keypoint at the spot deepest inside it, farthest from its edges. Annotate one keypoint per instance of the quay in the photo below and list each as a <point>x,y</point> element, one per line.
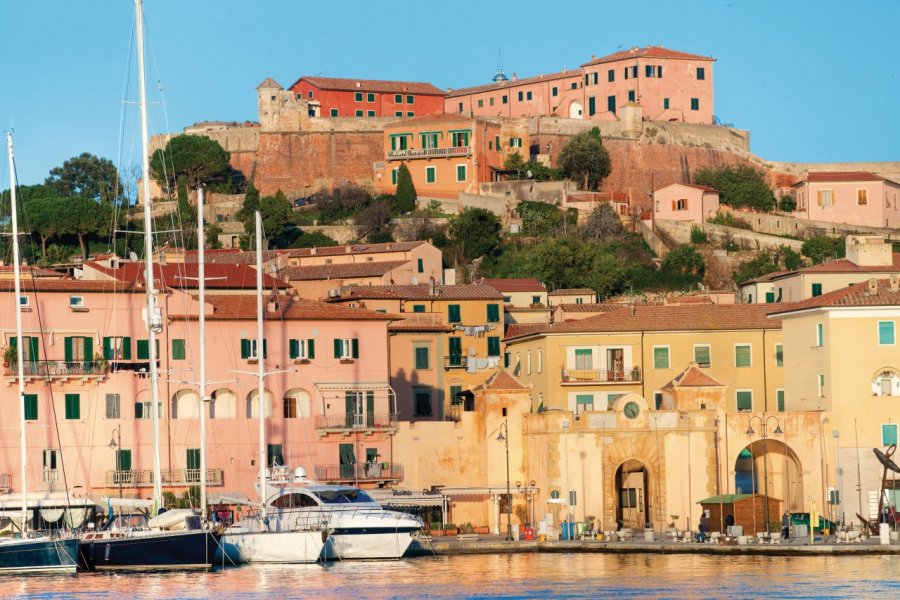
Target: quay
<point>497,544</point>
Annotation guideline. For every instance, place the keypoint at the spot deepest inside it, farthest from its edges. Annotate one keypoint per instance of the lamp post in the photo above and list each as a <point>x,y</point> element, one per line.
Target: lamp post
<point>115,444</point>
<point>504,437</point>
<point>764,422</point>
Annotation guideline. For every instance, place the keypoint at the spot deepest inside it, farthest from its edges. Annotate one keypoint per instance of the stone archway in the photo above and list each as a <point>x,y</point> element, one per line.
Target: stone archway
<point>632,497</point>
<point>770,467</point>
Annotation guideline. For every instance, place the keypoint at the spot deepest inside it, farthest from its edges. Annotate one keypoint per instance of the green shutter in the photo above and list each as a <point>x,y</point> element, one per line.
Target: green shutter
<point>193,458</point>
<point>745,401</point>
<point>123,460</point>
<point>421,357</point>
<point>178,350</point>
<point>742,356</point>
<point>888,434</point>
<point>506,360</point>
<point>265,349</point>
<point>421,265</point>
<point>493,313</point>
<point>418,308</point>
<point>31,407</point>
<point>310,349</point>
<point>354,345</point>
<point>73,406</point>
<point>886,335</point>
<point>88,350</point>
<point>701,356</point>
<point>370,409</point>
<point>68,348</point>
<point>780,396</point>
<point>779,355</point>
<point>294,348</point>
<point>32,343</point>
<point>816,289</point>
<point>349,403</point>
<point>660,358</point>
<point>245,348</point>
<point>143,349</point>
<point>126,348</point>
<point>337,347</point>
<point>455,351</point>
<point>493,346</point>
<point>453,313</point>
<point>107,348</point>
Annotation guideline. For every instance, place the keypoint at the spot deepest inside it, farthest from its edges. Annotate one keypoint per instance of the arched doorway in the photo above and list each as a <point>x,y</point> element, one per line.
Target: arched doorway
<point>632,498</point>
<point>576,110</point>
<point>770,467</point>
<point>185,405</point>
<point>223,404</point>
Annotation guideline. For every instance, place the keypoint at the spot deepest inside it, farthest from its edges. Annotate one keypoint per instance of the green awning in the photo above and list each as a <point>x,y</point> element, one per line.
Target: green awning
<point>724,499</point>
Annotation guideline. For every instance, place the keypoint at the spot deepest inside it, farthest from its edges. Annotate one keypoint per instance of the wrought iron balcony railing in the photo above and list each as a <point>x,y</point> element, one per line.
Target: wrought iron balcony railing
<point>632,375</point>
<point>354,422</point>
<point>383,471</point>
<point>428,153</point>
<point>169,477</point>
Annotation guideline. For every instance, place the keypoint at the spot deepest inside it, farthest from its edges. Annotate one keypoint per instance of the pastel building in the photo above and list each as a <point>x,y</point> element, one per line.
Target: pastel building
<point>525,299</point>
<point>448,154</point>
<point>346,97</point>
<point>685,202</point>
<point>849,197</point>
<point>553,94</point>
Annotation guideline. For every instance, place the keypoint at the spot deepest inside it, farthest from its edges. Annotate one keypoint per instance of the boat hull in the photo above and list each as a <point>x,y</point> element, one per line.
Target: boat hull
<point>155,550</point>
<point>272,547</point>
<point>348,544</point>
<point>39,556</point>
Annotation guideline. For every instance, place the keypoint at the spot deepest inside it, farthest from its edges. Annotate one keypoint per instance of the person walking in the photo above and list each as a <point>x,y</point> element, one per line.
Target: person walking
<point>786,526</point>
<point>704,527</point>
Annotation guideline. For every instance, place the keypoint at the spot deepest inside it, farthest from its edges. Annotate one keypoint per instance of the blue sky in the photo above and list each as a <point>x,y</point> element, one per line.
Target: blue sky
<point>812,81</point>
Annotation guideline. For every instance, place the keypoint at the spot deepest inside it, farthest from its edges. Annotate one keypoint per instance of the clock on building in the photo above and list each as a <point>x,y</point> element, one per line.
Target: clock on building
<point>632,409</point>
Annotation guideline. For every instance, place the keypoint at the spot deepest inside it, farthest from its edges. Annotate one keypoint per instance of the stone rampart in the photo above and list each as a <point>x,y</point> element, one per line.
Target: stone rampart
<point>680,231</point>
<point>779,224</point>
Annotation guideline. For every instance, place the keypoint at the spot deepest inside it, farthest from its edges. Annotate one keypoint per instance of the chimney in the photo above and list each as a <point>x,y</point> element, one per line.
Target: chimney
<point>349,249</point>
<point>312,251</point>
<point>873,287</point>
<point>272,305</point>
<point>895,282</point>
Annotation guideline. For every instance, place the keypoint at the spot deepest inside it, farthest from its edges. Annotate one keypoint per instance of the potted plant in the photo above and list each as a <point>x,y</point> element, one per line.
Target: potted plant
<point>450,529</point>
<point>467,532</point>
<point>9,355</point>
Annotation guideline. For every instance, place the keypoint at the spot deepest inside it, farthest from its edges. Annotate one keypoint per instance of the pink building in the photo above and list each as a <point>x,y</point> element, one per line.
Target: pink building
<point>685,202</point>
<point>850,197</point>
<point>332,409</point>
<point>668,84</point>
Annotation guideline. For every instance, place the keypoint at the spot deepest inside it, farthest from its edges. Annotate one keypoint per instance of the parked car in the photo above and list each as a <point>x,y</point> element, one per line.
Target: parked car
<point>304,201</point>
<point>800,518</point>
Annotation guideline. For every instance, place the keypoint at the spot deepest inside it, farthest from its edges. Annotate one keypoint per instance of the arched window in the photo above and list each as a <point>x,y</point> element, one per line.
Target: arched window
<point>185,405</point>
<point>253,405</point>
<point>223,404</point>
<point>296,404</point>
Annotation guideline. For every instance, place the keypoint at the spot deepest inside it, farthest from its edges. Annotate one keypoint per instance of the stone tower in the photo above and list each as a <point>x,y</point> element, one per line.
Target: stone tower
<point>278,109</point>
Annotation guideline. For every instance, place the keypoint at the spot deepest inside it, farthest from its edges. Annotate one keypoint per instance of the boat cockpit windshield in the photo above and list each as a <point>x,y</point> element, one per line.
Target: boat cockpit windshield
<point>128,522</point>
<point>349,496</point>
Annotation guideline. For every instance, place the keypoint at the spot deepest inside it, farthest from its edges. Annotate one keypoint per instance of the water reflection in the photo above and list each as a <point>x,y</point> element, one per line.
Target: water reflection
<point>517,575</point>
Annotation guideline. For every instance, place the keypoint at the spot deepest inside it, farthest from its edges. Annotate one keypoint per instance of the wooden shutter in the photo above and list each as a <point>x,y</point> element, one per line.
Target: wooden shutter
<point>337,347</point>
<point>354,344</point>
<point>310,349</point>
<point>245,348</point>
<point>68,348</point>
<point>349,403</point>
<point>265,353</point>
<point>126,348</point>
<point>294,348</point>
<point>88,349</point>
<point>33,351</point>
<point>143,349</point>
<point>107,348</point>
<point>370,409</point>
<point>673,206</point>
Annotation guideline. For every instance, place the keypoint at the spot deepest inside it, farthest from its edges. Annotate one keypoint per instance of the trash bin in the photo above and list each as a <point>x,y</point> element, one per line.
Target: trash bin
<point>800,531</point>
<point>529,534</point>
<point>648,535</point>
<point>568,530</point>
<point>884,534</point>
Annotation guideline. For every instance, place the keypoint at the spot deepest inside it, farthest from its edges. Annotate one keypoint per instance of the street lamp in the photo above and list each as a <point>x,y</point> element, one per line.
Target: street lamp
<point>504,437</point>
<point>115,443</point>
<point>764,422</point>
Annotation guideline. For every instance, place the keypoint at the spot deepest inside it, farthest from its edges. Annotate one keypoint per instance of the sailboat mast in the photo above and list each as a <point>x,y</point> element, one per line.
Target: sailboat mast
<point>154,321</point>
<point>260,367</point>
<point>20,350</point>
<point>201,276</point>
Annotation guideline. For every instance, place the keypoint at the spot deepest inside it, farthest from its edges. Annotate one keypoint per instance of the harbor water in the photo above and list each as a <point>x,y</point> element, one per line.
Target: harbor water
<point>535,575</point>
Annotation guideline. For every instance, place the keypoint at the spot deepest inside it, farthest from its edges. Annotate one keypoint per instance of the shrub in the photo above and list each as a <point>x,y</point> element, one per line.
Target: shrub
<point>729,220</point>
<point>698,236</point>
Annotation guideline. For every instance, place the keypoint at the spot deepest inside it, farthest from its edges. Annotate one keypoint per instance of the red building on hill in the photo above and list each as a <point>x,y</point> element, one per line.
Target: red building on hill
<point>336,97</point>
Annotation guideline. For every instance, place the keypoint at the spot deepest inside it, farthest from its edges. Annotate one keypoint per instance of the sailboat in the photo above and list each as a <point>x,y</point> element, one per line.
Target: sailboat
<point>169,540</point>
<point>43,553</point>
<point>267,538</point>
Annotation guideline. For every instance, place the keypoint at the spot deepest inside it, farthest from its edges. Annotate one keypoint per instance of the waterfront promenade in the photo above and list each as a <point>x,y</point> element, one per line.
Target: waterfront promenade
<point>497,544</point>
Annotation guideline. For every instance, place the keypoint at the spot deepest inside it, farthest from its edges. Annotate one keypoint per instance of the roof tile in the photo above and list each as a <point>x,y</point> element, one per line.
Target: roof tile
<point>371,85</point>
<point>854,295</point>
<point>646,52</point>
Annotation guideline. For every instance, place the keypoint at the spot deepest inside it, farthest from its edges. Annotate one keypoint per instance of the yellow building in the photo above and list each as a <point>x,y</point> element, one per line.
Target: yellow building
<point>586,365</point>
<point>452,361</point>
<point>842,358</point>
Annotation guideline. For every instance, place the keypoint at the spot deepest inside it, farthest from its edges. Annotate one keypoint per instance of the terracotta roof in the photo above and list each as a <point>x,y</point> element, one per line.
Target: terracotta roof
<point>705,188</point>
<point>588,307</point>
<point>655,317</point>
<point>854,295</point>
<point>420,292</point>
<point>572,292</point>
<point>443,118</point>
<point>420,323</point>
<point>184,275</point>
<point>515,285</point>
<point>502,85</point>
<point>228,256</point>
<point>31,271</point>
<point>341,271</point>
<point>267,83</point>
<point>519,329</point>
<point>841,265</point>
<point>647,52</point>
<point>67,285</point>
<point>501,380</point>
<point>371,85</point>
<point>693,376</point>
<point>353,249</point>
<point>767,277</point>
<point>243,308</point>
<point>826,176</point>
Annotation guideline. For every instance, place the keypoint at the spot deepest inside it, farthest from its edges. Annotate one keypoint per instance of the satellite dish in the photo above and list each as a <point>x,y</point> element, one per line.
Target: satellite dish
<point>133,256</point>
<point>528,174</point>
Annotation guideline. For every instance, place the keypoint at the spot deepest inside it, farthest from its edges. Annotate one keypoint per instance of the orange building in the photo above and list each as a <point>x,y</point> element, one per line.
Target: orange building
<point>448,154</point>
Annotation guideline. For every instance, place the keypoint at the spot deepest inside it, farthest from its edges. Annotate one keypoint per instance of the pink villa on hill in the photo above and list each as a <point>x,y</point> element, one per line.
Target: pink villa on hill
<point>850,197</point>
<point>668,84</point>
<point>332,410</point>
<point>685,202</point>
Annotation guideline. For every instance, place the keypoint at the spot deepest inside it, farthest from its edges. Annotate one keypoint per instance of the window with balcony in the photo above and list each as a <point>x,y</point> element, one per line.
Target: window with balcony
<point>400,141</point>
<point>346,348</point>
<point>702,356</point>
<point>660,357</point>
<point>78,349</point>
<point>460,138</point>
<point>584,359</point>
<point>456,353</point>
<point>744,400</point>
<point>430,174</point>
<point>429,139</point>
<point>742,355</point>
<point>123,460</point>
<point>117,348</point>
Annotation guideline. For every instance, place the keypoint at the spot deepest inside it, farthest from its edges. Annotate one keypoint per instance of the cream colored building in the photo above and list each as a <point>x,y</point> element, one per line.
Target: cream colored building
<point>525,300</point>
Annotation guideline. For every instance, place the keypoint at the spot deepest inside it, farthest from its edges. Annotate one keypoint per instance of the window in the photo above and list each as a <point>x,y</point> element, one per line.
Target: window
<point>398,98</point>
<point>611,104</point>
<point>680,204</point>
<point>24,302</point>
<point>744,400</point>
<point>370,97</point>
<point>345,348</point>
<point>521,95</point>
<point>862,197</point>
<point>31,343</point>
<point>421,358</point>
<point>584,359</point>
<point>770,297</point>
<point>825,198</point>
<point>248,349</point>
<point>142,410</point>
<point>886,335</point>
<point>540,361</point>
<point>31,407</point>
<point>816,289</point>
<point>430,174</point>
<point>507,299</point>
<point>420,265</point>
<point>701,73</point>
<point>695,103</point>
<point>611,75</point>
<point>820,335</point>
<point>535,299</point>
<point>658,400</point>
<point>653,71</point>
<point>820,384</point>
<point>123,460</point>
<point>79,349</point>
<point>178,352</point>
<point>459,139</point>
<point>493,313</point>
<point>302,349</point>
<point>429,139</point>
<point>460,108</point>
<point>743,357</point>
<point>398,113</point>
<point>505,100</point>
<point>76,302</point>
<point>418,308</point>
<point>592,106</point>
<point>493,346</point>
<point>370,113</point>
<point>702,356</point>
<point>113,406</point>
<point>779,355</point>
<point>665,104</point>
<point>779,400</point>
<point>410,99</point>
<point>422,403</point>
<point>515,142</point>
<point>460,172</point>
<point>554,91</point>
<point>888,434</point>
<point>358,96</point>
<point>631,95</point>
<point>528,95</point>
<point>274,455</point>
<point>310,94</point>
<point>334,112</point>
<point>491,101</point>
<point>630,72</point>
<point>497,143</point>
<point>359,113</point>
<point>410,114</point>
<point>73,406</point>
<point>584,402</point>
<point>394,176</point>
<point>143,349</point>
<point>660,357</point>
<point>453,315</point>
